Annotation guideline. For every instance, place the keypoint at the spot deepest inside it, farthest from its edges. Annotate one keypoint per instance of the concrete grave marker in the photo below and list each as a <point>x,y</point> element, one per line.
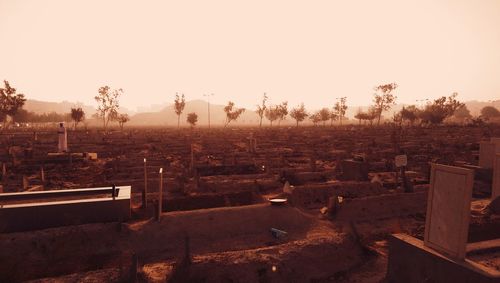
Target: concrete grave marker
<point>92,155</point>
<point>62,138</point>
<point>448,210</point>
<point>486,153</point>
<point>495,187</point>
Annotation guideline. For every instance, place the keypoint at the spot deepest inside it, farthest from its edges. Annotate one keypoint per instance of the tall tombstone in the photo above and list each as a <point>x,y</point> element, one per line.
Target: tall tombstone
<point>448,210</point>
<point>62,135</point>
<point>25,183</point>
<point>486,153</point>
<point>495,188</point>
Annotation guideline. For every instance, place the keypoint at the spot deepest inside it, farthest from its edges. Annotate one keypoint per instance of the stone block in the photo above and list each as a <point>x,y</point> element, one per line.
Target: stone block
<point>354,170</point>
<point>448,209</point>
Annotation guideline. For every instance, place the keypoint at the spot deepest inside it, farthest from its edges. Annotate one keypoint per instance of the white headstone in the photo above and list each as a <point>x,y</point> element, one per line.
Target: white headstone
<point>495,188</point>
<point>448,210</point>
<point>63,138</point>
<point>401,160</point>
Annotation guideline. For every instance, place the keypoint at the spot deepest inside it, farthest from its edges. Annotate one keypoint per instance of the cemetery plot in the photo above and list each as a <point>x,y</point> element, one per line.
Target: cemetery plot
<point>39,210</point>
<point>346,194</point>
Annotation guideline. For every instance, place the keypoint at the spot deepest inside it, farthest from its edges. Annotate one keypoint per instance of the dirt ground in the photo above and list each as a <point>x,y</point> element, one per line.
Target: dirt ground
<point>216,221</point>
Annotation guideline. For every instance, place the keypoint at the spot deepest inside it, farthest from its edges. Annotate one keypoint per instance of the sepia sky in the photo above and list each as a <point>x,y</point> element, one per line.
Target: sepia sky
<point>300,51</point>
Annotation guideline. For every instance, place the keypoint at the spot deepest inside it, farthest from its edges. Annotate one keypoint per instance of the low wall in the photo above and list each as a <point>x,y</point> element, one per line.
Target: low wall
<point>251,184</point>
<point>315,196</point>
<point>208,201</point>
<point>55,211</point>
<point>238,169</point>
<point>382,206</point>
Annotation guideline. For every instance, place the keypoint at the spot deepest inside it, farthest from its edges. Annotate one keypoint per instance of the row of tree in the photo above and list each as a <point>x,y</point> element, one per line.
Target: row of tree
<point>434,112</point>
<point>383,99</point>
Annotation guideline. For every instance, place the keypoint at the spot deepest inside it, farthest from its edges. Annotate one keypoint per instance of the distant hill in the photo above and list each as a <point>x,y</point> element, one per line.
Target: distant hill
<point>166,115</point>
<point>476,106</point>
<point>41,107</point>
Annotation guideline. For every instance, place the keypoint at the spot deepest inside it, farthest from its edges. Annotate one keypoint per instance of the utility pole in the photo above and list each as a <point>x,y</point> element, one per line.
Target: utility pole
<point>208,102</point>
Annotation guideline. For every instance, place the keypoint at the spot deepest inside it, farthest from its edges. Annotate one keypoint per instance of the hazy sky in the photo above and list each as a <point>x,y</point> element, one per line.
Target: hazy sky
<point>300,51</point>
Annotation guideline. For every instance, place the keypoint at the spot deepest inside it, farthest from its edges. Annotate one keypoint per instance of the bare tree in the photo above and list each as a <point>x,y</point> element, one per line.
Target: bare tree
<point>282,111</point>
<point>315,118</point>
<point>77,115</point>
<point>324,115</point>
<point>122,119</point>
<point>372,114</point>
<point>232,113</point>
<point>462,113</point>
<point>360,115</point>
<point>410,113</point>
<point>489,112</point>
<point>299,113</point>
<point>108,104</point>
<point>384,98</point>
<point>340,108</point>
<point>261,109</point>
<point>440,109</point>
<point>10,102</point>
<point>179,105</point>
<point>272,114</point>
<point>192,119</point>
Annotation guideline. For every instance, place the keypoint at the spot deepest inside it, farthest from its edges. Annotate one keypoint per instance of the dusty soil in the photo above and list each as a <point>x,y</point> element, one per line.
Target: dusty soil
<point>212,202</point>
<point>489,259</point>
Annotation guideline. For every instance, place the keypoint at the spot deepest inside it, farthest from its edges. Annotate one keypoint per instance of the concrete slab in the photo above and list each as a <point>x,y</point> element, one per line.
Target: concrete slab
<point>39,210</point>
<point>448,210</point>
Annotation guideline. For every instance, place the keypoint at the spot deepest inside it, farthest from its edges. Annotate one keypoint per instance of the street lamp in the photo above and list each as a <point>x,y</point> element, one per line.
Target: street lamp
<point>208,102</point>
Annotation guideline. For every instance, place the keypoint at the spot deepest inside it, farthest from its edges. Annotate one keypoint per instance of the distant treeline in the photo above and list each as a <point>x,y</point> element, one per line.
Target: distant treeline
<point>24,116</point>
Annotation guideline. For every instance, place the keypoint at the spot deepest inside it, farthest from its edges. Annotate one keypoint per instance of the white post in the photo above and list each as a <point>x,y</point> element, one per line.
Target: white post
<point>145,190</point>
<point>160,192</point>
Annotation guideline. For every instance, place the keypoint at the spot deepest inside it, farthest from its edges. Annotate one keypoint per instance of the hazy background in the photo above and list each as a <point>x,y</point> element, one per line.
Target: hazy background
<point>300,51</point>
